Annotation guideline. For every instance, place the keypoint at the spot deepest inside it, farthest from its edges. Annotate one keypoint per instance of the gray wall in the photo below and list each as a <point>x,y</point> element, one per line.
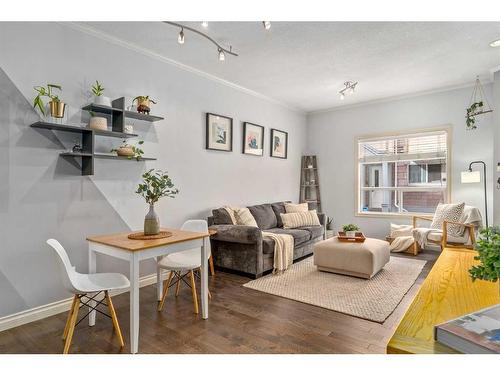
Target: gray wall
<point>331,135</point>
<point>41,195</point>
<point>496,146</point>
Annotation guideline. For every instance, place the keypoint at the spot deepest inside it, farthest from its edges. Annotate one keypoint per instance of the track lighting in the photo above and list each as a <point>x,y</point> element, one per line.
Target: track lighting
<point>204,24</point>
<point>180,38</point>
<point>267,24</point>
<point>349,88</point>
<point>222,55</point>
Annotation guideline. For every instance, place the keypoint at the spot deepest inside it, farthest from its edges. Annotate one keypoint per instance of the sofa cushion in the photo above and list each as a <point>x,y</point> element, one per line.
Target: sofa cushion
<point>300,219</point>
<point>264,216</point>
<point>296,207</point>
<point>244,217</point>
<point>315,230</point>
<point>279,208</point>
<point>299,235</point>
<point>221,217</point>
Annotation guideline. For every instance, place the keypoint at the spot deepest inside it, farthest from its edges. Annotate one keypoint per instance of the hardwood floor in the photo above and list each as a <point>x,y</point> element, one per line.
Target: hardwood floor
<point>241,320</point>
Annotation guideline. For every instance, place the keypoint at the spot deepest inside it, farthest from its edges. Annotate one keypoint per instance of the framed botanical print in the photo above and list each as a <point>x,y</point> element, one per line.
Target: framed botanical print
<point>253,139</point>
<point>279,144</point>
<point>219,133</point>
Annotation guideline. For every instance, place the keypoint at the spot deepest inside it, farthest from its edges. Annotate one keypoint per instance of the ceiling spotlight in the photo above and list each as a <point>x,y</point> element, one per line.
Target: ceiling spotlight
<point>267,24</point>
<point>495,43</point>
<point>222,55</point>
<point>180,38</point>
<point>349,88</point>
<point>204,24</point>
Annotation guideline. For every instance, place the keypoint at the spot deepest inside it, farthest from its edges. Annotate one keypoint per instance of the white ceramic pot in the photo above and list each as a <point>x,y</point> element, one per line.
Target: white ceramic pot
<point>129,129</point>
<point>102,100</point>
<point>350,233</point>
<point>98,123</point>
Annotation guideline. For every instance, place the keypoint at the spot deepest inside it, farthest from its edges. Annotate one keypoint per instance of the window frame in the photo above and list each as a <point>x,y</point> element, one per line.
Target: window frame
<point>413,131</point>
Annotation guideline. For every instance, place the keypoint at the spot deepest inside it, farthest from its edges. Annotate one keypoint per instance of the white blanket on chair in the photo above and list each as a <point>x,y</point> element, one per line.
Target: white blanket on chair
<point>283,250</point>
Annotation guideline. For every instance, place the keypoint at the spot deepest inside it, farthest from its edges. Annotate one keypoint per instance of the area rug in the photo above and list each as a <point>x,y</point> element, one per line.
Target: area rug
<point>373,299</point>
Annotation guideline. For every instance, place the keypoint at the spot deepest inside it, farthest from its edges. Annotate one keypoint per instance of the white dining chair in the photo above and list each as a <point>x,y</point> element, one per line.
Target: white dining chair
<point>183,264</point>
<point>87,286</point>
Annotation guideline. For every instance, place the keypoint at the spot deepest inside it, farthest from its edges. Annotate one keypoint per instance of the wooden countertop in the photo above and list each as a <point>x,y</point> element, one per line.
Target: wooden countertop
<point>447,293</point>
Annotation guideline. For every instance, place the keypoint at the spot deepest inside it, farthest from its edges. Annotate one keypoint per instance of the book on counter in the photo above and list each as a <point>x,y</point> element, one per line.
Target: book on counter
<point>474,333</point>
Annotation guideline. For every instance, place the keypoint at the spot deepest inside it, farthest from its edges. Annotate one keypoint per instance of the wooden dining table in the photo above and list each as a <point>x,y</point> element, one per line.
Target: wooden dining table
<point>119,246</point>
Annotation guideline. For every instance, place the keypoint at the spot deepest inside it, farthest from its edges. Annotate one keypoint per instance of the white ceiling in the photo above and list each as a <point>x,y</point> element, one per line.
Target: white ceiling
<point>304,64</point>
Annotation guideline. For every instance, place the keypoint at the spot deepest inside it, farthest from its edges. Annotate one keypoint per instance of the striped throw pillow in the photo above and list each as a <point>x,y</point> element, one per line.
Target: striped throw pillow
<point>300,219</point>
<point>244,217</point>
<point>292,207</point>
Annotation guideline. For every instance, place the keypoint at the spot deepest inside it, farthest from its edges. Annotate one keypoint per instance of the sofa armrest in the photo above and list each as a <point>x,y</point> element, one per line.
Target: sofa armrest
<point>237,233</point>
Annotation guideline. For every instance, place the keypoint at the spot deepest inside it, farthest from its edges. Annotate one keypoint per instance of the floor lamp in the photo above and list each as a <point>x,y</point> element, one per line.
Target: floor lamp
<point>471,176</point>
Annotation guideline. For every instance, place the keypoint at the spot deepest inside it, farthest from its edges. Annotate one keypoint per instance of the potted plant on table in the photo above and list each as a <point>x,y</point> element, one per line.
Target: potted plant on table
<point>100,99</point>
<point>155,185</point>
<point>143,103</point>
<point>488,248</point>
<point>57,106</point>
<point>350,230</point>
<point>130,151</point>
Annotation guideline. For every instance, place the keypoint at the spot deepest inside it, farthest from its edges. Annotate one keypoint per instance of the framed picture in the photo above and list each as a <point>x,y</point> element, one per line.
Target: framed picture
<point>219,133</point>
<point>253,139</point>
<point>279,144</point>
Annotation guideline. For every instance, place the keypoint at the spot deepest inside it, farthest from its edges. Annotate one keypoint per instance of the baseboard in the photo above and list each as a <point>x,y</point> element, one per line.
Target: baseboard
<point>54,308</point>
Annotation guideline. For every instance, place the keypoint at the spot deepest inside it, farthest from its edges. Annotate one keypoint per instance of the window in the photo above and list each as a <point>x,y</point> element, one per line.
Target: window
<point>402,174</point>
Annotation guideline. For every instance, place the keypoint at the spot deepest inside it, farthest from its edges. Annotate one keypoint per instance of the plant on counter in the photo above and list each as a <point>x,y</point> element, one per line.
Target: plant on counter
<point>155,185</point>
<point>143,103</point>
<point>130,151</point>
<point>488,248</point>
<point>57,106</point>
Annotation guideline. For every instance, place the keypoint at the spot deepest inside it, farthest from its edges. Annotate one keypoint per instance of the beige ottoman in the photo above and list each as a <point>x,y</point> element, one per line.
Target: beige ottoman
<point>360,259</point>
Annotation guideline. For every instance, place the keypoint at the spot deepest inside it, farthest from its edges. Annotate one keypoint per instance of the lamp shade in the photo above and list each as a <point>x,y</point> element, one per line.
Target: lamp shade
<point>469,177</point>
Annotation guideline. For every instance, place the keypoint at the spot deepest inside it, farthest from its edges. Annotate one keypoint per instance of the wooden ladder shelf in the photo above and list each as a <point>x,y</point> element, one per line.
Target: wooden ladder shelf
<point>309,182</point>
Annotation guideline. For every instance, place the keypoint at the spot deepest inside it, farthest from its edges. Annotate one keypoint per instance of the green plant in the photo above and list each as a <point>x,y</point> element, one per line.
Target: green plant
<point>488,248</point>
<point>138,152</point>
<point>350,228</point>
<point>97,89</point>
<point>45,91</point>
<point>140,98</point>
<point>155,185</point>
<point>329,222</point>
<point>471,113</point>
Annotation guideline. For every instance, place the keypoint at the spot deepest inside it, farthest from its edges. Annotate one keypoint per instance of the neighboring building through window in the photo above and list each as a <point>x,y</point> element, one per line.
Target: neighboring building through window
<point>403,174</point>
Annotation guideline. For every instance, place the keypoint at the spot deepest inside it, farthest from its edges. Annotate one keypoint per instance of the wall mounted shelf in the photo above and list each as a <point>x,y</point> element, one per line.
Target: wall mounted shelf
<point>142,116</point>
<point>116,157</point>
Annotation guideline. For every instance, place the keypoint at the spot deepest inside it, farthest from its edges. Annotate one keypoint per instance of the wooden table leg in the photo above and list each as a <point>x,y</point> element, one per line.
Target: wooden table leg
<point>212,268</point>
<point>204,278</point>
<point>92,269</point>
<point>134,303</point>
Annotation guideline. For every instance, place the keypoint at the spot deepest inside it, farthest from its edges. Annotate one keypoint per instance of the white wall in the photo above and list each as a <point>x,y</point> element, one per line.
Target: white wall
<point>496,146</point>
<point>41,195</point>
<point>331,136</point>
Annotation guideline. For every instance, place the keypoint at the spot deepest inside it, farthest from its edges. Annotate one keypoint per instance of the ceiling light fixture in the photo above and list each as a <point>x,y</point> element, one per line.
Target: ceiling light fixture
<point>495,43</point>
<point>267,24</point>
<point>204,24</point>
<point>222,51</point>
<point>349,88</point>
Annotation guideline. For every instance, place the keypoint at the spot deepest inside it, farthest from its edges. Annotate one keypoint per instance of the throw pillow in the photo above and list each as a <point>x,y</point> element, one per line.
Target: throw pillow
<point>230,211</point>
<point>401,230</point>
<point>448,212</point>
<point>292,207</point>
<point>244,217</point>
<point>300,219</point>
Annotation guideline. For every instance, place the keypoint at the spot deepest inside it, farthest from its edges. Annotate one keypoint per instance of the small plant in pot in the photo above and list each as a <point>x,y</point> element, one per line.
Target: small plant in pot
<point>350,230</point>
<point>130,151</point>
<point>57,106</point>
<point>488,248</point>
<point>100,99</point>
<point>98,122</point>
<point>155,185</point>
<point>143,103</point>
<point>329,223</point>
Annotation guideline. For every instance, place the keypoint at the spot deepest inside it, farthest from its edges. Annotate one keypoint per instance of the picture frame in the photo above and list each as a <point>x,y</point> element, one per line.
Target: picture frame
<point>253,139</point>
<point>279,144</point>
<point>219,132</point>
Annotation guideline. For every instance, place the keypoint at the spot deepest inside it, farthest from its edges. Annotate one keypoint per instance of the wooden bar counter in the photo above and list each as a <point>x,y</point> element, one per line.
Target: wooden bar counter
<point>447,293</point>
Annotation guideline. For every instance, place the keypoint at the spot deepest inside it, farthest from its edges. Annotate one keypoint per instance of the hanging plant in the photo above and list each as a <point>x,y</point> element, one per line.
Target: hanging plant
<point>477,106</point>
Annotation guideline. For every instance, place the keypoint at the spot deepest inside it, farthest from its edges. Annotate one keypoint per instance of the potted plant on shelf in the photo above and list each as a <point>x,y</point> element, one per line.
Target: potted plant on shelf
<point>488,248</point>
<point>130,151</point>
<point>100,99</point>
<point>143,103</point>
<point>155,185</point>
<point>98,122</point>
<point>57,106</point>
<point>350,230</point>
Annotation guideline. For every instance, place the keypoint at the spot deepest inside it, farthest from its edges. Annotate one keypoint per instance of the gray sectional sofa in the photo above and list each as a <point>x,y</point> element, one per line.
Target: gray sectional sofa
<point>241,249</point>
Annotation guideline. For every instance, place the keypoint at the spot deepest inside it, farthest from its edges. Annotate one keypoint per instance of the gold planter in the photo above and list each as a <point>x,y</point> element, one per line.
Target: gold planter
<point>57,109</point>
<point>144,106</point>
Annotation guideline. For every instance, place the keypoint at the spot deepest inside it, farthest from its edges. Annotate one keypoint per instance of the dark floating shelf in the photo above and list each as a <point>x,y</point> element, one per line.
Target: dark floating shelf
<point>65,128</point>
<point>101,108</point>
<point>113,156</point>
<point>76,154</point>
<point>142,116</point>
<point>111,133</point>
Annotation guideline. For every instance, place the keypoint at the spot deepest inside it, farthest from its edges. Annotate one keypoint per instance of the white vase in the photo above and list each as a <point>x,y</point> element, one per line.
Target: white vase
<point>102,100</point>
<point>350,233</point>
<point>98,123</point>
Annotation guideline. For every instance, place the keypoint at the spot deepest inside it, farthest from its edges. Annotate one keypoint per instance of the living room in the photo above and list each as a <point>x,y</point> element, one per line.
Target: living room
<point>237,186</point>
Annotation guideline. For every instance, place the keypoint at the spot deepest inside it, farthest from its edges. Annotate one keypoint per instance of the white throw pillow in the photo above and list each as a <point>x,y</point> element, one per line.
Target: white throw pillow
<point>293,207</point>
<point>448,212</point>
<point>401,230</point>
<point>300,219</point>
<point>244,217</point>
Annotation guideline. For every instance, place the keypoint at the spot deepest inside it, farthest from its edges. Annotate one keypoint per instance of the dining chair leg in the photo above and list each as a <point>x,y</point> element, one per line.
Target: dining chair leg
<point>193,290</point>
<point>211,263</point>
<point>71,328</point>
<point>165,290</point>
<point>70,314</point>
<point>178,286</point>
<point>112,312</point>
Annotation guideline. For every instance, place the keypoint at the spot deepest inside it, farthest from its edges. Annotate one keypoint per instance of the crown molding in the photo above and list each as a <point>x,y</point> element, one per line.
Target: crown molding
<point>147,52</point>
<point>485,81</point>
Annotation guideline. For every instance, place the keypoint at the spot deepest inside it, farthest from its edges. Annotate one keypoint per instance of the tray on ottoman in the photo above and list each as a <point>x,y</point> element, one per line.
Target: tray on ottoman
<point>360,237</point>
